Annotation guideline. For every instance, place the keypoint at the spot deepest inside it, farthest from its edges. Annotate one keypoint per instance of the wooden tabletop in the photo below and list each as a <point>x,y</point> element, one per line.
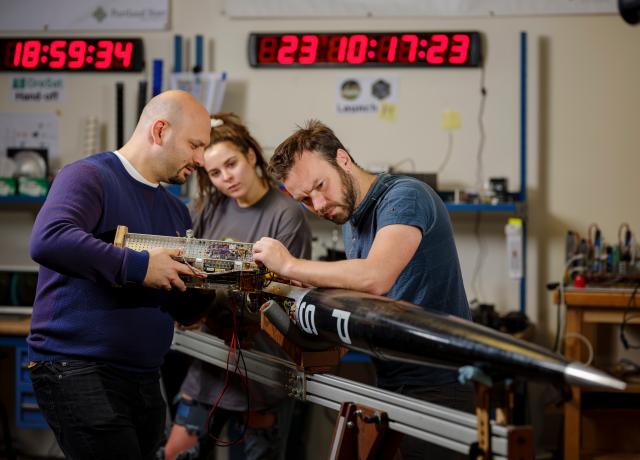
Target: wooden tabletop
<point>600,297</point>
<point>17,325</point>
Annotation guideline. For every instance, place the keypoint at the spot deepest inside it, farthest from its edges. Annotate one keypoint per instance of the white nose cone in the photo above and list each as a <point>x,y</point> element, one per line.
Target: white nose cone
<point>579,374</point>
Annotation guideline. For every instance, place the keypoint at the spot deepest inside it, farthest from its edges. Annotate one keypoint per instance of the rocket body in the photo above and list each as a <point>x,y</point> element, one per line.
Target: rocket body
<point>395,330</point>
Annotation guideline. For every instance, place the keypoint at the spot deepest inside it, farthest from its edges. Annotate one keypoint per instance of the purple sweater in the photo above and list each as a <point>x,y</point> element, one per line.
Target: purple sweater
<point>78,311</point>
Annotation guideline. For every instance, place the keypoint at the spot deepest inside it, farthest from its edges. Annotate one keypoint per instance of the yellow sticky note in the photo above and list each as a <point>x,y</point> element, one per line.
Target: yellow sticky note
<point>387,111</point>
<point>450,120</point>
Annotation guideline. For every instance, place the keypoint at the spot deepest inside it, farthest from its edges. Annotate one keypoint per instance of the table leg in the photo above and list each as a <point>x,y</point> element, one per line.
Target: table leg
<point>573,351</point>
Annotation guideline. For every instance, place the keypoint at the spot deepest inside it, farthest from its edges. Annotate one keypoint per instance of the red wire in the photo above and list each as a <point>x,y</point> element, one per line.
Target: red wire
<point>235,348</point>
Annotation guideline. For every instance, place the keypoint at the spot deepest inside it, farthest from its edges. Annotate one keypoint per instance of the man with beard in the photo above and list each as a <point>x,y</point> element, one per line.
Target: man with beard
<point>103,316</point>
<point>399,243</point>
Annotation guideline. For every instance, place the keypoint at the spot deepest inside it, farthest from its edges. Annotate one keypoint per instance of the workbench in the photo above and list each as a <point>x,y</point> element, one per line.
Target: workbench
<point>452,429</point>
<point>597,422</point>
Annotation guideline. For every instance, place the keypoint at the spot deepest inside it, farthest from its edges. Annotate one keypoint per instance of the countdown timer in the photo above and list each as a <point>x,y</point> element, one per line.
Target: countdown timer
<point>365,49</point>
<point>72,54</point>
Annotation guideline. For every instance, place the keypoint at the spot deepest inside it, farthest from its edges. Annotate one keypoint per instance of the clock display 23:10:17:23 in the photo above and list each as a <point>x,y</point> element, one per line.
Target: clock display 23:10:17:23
<point>404,49</point>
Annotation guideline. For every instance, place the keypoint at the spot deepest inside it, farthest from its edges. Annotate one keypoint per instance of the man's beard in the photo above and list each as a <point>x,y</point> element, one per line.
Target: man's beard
<point>349,197</point>
<point>179,179</point>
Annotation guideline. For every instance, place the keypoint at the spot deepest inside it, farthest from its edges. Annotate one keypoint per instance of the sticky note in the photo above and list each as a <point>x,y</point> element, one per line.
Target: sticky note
<point>450,120</point>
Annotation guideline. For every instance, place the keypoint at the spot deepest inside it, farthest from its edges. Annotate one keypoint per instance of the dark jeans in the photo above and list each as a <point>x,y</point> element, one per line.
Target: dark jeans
<point>100,412</point>
<point>452,396</point>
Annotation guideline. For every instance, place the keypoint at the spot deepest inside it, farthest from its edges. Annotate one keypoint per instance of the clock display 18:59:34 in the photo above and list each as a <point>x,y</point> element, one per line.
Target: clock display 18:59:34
<point>71,54</point>
<point>365,49</point>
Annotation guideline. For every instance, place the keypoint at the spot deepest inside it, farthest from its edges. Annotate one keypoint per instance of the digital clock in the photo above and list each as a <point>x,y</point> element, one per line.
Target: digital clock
<point>52,54</point>
<point>365,49</point>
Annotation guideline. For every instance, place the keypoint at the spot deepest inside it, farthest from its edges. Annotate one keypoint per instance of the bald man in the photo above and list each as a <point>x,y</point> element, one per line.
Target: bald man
<point>101,321</point>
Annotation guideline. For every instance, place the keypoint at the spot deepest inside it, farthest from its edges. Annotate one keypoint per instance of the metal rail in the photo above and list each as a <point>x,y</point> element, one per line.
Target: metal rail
<point>439,425</point>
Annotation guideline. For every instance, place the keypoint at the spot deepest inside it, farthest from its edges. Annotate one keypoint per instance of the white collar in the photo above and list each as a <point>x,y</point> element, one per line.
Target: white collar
<point>133,172</point>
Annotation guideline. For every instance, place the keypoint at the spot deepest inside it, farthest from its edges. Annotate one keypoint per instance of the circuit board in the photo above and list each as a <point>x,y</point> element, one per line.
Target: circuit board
<point>216,262</point>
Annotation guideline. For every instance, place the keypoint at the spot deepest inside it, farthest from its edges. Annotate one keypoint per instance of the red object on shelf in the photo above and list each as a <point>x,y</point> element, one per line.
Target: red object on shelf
<point>579,281</point>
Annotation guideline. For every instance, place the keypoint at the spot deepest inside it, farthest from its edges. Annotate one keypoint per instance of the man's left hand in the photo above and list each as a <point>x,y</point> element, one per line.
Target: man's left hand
<point>273,254</point>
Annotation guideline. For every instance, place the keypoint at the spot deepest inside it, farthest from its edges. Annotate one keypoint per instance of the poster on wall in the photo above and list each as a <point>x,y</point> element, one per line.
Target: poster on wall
<point>412,8</point>
<point>83,15</point>
<point>207,87</point>
<point>367,94</point>
<point>48,88</point>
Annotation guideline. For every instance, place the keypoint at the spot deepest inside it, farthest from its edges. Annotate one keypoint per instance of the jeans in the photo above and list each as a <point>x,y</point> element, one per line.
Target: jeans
<point>452,396</point>
<point>100,412</point>
<point>265,443</point>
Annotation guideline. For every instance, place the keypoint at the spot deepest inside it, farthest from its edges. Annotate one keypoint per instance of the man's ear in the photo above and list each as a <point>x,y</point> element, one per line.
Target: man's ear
<point>159,131</point>
<point>343,159</point>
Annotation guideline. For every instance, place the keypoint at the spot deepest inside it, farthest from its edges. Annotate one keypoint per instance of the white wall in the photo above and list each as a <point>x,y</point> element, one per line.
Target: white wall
<point>583,124</point>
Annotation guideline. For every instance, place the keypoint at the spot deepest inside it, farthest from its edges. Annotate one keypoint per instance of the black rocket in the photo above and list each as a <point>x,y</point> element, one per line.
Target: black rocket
<point>395,330</point>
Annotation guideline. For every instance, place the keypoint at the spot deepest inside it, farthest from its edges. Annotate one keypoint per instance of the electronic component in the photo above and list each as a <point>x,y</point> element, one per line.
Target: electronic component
<point>593,262</point>
<point>214,262</point>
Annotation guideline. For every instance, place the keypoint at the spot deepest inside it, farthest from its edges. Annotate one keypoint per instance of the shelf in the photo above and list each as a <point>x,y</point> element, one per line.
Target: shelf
<point>474,207</point>
<point>632,388</point>
<point>22,199</point>
<point>20,268</point>
<point>21,202</point>
<point>15,311</point>
<point>598,298</point>
<point>514,207</point>
<point>12,326</point>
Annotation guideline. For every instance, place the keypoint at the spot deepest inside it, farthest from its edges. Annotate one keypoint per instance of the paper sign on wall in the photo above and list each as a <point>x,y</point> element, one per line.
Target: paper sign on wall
<point>207,87</point>
<point>84,15</point>
<point>38,131</point>
<point>37,89</point>
<point>367,94</point>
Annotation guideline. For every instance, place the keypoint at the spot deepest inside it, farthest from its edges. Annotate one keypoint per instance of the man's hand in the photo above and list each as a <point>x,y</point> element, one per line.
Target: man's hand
<point>273,254</point>
<point>163,272</point>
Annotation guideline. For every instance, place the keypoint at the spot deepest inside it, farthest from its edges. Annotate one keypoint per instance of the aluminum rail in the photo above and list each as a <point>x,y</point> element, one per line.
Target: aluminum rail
<point>439,425</point>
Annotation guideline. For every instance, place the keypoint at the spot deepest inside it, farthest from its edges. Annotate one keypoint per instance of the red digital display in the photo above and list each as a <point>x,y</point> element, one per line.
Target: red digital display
<point>365,49</point>
<point>72,54</point>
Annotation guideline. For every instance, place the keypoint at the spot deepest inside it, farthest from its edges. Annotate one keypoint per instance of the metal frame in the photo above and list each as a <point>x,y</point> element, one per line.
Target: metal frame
<point>439,425</point>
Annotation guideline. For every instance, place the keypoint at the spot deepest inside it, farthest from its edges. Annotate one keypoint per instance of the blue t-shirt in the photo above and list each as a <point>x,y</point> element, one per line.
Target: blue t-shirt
<point>432,279</point>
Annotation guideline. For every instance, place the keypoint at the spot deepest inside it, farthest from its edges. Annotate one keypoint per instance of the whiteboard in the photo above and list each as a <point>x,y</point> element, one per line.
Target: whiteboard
<point>400,8</point>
